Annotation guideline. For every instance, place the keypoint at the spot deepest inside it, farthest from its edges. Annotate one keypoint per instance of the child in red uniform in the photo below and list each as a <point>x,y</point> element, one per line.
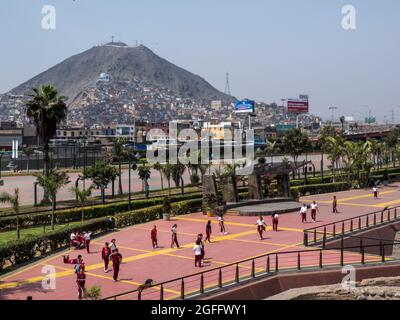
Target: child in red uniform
<point>174,236</point>
<point>154,237</point>
<point>275,221</point>
<point>81,281</point>
<point>208,231</point>
<point>87,237</point>
<point>334,205</point>
<point>116,259</point>
<point>203,252</point>
<point>105,256</point>
<point>78,260</point>
<point>221,221</point>
<point>314,209</point>
<point>197,254</point>
<point>261,227</point>
<point>303,213</point>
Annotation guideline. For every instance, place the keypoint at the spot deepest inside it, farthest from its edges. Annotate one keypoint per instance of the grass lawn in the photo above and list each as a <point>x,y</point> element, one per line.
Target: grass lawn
<point>8,236</point>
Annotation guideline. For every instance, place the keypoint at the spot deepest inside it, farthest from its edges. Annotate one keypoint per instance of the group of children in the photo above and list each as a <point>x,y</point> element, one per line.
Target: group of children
<point>108,253</point>
<point>81,240</point>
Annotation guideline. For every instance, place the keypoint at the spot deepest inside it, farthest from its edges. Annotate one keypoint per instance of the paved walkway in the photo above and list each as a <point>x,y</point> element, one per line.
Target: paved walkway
<point>141,262</point>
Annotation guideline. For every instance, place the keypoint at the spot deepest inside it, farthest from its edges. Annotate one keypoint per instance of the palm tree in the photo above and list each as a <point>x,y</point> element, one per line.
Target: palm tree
<point>28,152</point>
<point>158,167</point>
<point>334,149</point>
<point>177,171</point>
<point>51,184</point>
<point>271,148</point>
<point>167,171</point>
<point>120,152</point>
<point>144,173</point>
<point>14,201</point>
<point>82,196</point>
<point>47,110</point>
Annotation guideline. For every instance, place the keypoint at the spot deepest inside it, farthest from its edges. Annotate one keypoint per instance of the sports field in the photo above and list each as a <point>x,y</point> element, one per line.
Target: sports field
<point>141,262</point>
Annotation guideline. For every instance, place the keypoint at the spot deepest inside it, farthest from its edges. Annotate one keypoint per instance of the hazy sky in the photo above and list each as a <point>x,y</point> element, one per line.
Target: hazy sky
<point>273,49</point>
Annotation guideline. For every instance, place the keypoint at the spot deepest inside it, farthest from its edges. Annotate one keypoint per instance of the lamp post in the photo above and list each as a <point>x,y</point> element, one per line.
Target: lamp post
<point>333,113</point>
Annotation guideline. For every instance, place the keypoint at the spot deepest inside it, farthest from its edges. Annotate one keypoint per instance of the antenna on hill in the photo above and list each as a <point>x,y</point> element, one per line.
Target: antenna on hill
<point>136,43</point>
<point>227,86</point>
<point>112,39</point>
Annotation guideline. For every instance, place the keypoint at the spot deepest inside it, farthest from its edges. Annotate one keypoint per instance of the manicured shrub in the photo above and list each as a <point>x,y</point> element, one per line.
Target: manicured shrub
<point>21,251</point>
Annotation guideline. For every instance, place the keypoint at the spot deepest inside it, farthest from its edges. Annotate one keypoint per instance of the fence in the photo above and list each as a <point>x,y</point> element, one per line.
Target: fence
<point>212,280</point>
<point>331,231</point>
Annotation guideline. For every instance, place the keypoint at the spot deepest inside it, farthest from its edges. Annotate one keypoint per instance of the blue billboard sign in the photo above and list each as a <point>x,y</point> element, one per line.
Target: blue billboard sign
<point>244,106</point>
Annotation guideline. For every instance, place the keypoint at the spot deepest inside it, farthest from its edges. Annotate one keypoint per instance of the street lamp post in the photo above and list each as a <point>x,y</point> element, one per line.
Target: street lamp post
<point>129,180</point>
<point>333,113</point>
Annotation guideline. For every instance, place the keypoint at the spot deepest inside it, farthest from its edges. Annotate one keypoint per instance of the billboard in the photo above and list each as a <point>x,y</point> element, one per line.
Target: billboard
<point>244,106</point>
<point>299,105</point>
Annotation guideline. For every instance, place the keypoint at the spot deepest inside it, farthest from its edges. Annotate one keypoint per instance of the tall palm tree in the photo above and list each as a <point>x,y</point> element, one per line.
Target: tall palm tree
<point>144,173</point>
<point>167,171</point>
<point>158,167</point>
<point>51,184</point>
<point>14,201</point>
<point>120,152</point>
<point>47,110</point>
<point>334,149</point>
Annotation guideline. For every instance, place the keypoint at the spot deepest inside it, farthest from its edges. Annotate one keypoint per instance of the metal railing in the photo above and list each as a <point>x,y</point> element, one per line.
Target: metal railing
<point>213,280</point>
<point>332,231</point>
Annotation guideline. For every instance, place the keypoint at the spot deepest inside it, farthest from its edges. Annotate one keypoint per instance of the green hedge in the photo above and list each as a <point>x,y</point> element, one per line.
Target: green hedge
<point>153,213</point>
<point>21,251</point>
<point>92,212</point>
<point>320,188</point>
<point>25,250</point>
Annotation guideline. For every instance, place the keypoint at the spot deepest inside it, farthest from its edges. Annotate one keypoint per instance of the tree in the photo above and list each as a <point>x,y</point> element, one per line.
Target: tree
<point>295,143</point>
<point>51,184</point>
<point>28,152</point>
<point>167,171</point>
<point>101,174</point>
<point>177,171</point>
<point>158,167</point>
<point>120,153</point>
<point>47,110</point>
<point>334,147</point>
<point>82,196</point>
<point>14,201</point>
<point>144,173</point>
<point>272,146</point>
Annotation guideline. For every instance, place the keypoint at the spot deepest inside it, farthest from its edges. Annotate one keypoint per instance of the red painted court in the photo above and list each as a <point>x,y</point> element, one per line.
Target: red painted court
<point>141,262</point>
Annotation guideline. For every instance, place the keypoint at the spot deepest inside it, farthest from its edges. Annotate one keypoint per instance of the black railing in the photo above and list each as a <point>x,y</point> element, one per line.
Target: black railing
<point>332,231</point>
<point>212,280</point>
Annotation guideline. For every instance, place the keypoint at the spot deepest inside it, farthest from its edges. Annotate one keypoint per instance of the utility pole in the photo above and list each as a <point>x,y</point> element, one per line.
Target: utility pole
<point>333,113</point>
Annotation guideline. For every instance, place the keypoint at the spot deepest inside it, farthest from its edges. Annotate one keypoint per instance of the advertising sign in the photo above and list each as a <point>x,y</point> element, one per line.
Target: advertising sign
<point>299,105</point>
<point>245,106</point>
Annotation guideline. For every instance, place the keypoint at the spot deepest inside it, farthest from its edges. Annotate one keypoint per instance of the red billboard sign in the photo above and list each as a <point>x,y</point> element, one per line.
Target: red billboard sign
<point>298,105</point>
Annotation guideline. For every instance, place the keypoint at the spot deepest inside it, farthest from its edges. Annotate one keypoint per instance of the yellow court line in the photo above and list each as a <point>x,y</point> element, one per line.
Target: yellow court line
<point>128,259</point>
<point>237,224</point>
<point>369,195</point>
<point>239,240</point>
<point>110,278</point>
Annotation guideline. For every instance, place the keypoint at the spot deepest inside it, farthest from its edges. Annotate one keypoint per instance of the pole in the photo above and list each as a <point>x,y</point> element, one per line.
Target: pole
<point>129,182</point>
